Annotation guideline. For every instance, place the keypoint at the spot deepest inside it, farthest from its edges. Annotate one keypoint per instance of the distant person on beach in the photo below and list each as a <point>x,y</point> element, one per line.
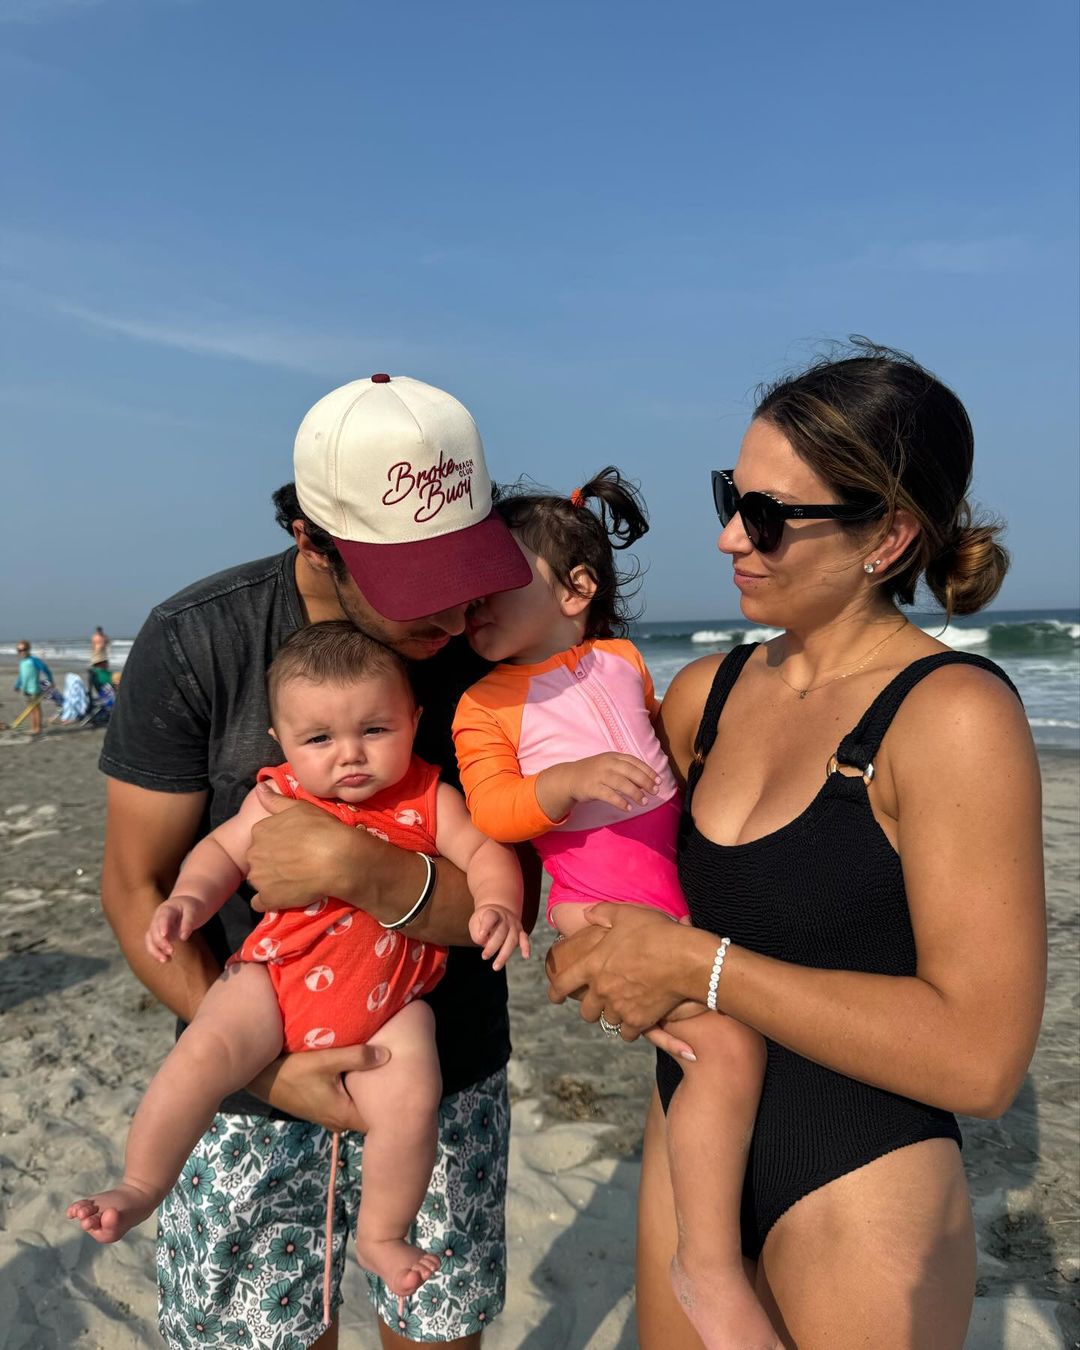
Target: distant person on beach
<point>557,745</point>
<point>393,528</point>
<point>33,679</point>
<point>98,673</point>
<point>345,717</point>
<point>99,648</point>
<point>884,932</point>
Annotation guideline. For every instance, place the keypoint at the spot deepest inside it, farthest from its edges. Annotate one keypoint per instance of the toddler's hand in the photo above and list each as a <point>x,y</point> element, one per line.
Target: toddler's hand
<point>498,931</point>
<point>174,920</point>
<point>620,780</point>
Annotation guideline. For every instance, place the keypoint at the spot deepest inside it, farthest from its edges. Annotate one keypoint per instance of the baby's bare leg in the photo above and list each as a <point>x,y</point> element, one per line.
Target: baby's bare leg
<point>709,1126</point>
<point>569,918</point>
<point>235,1033</point>
<point>400,1103</point>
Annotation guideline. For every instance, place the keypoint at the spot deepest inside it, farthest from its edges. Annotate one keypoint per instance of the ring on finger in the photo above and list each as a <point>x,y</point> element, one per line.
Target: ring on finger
<point>611,1029</point>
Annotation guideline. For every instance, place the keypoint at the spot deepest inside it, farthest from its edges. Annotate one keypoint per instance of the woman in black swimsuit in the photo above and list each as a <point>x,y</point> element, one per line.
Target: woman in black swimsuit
<point>886,925</point>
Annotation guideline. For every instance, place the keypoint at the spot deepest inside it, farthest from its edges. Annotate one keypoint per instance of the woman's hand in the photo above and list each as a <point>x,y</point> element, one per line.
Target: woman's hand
<point>311,1084</point>
<point>634,965</point>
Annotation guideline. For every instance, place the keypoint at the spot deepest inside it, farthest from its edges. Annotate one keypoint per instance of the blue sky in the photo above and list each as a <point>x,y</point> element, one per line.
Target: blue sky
<point>599,224</point>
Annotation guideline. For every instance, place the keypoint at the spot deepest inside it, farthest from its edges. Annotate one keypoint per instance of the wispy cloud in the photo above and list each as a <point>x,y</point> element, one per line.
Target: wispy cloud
<point>262,342</point>
<point>958,257</point>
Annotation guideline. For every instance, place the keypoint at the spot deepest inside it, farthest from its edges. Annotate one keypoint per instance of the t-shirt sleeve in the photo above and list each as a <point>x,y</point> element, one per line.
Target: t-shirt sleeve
<point>501,800</point>
<point>158,734</point>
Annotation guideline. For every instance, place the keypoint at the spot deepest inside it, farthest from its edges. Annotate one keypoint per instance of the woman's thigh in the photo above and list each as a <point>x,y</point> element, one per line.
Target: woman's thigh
<point>661,1324</point>
<point>882,1257</point>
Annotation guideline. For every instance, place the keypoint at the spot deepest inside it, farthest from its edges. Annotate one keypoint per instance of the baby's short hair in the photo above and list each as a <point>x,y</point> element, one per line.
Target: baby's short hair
<point>332,652</point>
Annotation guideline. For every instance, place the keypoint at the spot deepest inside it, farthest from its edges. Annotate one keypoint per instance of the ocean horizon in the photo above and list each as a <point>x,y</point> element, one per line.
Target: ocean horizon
<point>1039,649</point>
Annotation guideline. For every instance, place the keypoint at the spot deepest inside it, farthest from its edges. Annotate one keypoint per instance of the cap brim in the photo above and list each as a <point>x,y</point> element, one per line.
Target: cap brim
<point>414,580</point>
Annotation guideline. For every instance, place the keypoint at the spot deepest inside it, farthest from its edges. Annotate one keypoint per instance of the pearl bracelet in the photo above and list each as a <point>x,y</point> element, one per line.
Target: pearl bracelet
<point>425,895</point>
<point>717,967</point>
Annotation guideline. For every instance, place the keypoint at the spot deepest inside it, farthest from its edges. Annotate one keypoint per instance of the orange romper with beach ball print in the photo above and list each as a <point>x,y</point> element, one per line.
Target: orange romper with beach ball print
<point>338,974</point>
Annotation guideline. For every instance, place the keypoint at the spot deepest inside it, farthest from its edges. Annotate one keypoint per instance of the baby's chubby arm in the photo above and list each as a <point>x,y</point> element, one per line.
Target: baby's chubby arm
<point>210,873</point>
<point>493,875</point>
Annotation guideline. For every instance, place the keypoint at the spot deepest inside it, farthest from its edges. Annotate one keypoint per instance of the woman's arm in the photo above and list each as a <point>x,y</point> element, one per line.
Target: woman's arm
<point>960,1033</point>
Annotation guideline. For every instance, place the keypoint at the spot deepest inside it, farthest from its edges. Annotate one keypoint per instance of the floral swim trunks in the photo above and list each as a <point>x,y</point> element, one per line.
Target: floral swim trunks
<point>241,1249</point>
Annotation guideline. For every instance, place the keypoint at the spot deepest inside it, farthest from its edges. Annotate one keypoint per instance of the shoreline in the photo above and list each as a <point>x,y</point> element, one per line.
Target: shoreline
<point>83,1037</point>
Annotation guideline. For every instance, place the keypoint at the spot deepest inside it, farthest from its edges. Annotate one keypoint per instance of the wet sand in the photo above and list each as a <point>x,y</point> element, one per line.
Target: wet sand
<point>81,1038</point>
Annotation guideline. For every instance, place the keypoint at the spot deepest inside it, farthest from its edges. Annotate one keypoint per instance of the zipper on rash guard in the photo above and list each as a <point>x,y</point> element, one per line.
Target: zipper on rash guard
<point>593,691</point>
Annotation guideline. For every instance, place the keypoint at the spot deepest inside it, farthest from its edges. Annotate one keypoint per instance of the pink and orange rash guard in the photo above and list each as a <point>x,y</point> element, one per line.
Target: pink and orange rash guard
<point>521,719</point>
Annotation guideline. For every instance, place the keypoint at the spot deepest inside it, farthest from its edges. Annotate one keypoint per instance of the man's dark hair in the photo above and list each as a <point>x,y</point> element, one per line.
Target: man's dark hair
<point>287,508</point>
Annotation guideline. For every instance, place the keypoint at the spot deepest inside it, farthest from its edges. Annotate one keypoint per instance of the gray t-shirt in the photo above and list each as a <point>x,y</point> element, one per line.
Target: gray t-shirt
<point>192,716</point>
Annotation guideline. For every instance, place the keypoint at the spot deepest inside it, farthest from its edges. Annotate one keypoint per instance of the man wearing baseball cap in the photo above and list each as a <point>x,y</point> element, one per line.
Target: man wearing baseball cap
<point>393,528</point>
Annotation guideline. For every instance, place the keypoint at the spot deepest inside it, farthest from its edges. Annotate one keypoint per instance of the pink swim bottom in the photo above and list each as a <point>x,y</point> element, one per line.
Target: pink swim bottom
<point>630,862</point>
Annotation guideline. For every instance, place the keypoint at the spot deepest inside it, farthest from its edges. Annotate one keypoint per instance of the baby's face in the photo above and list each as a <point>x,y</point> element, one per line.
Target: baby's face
<point>347,741</point>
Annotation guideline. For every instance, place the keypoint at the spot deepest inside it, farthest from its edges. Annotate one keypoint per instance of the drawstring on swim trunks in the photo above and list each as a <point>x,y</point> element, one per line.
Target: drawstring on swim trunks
<point>330,1228</point>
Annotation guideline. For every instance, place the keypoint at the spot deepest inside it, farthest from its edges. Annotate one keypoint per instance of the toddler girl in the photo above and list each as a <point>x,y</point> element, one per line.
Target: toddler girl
<point>556,745</point>
<point>330,974</point>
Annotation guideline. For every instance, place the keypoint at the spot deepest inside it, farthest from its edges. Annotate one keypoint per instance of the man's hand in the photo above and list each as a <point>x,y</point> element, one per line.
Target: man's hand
<point>498,931</point>
<point>174,920</point>
<point>299,854</point>
<point>310,1084</point>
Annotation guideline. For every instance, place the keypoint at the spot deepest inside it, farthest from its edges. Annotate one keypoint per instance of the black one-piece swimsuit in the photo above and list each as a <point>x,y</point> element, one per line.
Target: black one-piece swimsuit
<point>825,891</point>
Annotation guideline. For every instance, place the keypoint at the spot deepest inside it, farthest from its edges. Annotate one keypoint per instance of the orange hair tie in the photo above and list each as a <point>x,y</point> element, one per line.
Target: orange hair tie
<point>576,499</point>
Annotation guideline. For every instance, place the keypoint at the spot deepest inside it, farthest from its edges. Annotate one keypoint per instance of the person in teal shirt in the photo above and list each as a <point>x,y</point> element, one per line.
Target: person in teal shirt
<point>34,677</point>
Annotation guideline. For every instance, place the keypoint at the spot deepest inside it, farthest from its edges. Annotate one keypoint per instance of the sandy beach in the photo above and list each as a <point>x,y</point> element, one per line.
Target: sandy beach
<point>81,1038</point>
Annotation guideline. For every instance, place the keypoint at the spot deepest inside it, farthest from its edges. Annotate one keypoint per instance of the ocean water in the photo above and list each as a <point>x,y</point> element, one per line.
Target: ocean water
<point>1038,649</point>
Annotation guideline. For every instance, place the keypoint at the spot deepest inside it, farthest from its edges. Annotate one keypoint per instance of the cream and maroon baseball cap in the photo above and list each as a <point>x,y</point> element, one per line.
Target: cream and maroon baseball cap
<point>394,471</point>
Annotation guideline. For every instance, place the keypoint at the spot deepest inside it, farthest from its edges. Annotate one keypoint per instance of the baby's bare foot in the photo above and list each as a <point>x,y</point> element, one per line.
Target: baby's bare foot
<point>722,1306</point>
<point>402,1267</point>
<point>108,1216</point>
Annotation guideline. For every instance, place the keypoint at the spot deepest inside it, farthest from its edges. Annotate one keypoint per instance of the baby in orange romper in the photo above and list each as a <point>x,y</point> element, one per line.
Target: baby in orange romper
<point>330,974</point>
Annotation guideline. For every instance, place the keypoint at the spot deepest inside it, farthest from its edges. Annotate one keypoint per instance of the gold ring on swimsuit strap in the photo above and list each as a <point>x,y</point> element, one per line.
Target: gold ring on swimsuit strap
<point>833,766</point>
<point>611,1029</point>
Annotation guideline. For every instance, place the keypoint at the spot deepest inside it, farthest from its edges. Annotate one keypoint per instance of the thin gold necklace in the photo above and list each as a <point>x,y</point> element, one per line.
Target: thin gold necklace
<point>802,693</point>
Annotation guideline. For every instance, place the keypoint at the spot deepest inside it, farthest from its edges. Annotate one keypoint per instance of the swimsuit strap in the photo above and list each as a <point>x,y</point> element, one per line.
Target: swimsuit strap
<point>859,747</point>
<point>727,673</point>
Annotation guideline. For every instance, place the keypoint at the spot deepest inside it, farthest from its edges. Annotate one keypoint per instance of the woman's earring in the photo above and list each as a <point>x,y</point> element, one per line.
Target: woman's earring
<point>869,567</point>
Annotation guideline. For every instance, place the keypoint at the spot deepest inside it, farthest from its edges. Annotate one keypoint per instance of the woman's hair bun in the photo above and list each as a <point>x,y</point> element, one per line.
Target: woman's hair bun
<point>968,571</point>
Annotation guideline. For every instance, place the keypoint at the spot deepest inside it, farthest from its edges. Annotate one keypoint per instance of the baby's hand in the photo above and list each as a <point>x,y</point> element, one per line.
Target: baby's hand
<point>174,919</point>
<point>498,931</point>
<point>620,780</point>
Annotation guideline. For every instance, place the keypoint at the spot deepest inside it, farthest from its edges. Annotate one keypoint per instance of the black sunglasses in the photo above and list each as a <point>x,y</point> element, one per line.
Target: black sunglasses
<point>764,517</point>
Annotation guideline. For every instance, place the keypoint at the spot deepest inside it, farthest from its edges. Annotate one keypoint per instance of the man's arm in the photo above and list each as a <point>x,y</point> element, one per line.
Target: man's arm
<point>147,835</point>
<point>300,853</point>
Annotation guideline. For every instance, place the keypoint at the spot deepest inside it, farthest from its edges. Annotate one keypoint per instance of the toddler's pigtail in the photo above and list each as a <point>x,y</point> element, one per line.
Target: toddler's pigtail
<point>620,507</point>
<point>584,529</point>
